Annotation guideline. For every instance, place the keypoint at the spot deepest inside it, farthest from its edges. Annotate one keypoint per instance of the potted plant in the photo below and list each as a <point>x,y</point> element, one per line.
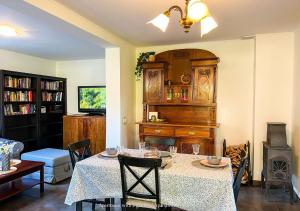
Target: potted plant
<point>4,157</point>
<point>140,60</point>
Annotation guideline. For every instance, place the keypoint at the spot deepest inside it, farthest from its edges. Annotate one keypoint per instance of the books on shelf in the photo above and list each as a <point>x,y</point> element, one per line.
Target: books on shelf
<point>47,96</point>
<point>10,110</point>
<point>17,96</point>
<point>12,82</point>
<point>52,85</point>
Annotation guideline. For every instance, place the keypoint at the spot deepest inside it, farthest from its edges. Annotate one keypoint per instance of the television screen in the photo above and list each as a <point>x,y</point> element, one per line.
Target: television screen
<point>92,99</point>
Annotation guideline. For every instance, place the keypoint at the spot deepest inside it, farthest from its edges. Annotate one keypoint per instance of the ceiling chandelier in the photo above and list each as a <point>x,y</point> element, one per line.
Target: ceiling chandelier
<point>195,11</point>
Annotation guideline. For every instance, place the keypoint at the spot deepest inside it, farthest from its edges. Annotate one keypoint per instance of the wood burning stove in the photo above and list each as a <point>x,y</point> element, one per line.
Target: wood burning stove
<point>277,159</point>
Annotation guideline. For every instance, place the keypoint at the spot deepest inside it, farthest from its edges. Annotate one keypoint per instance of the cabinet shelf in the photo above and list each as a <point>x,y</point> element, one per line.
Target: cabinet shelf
<point>18,89</point>
<point>21,127</point>
<point>19,102</point>
<point>181,104</point>
<point>51,90</point>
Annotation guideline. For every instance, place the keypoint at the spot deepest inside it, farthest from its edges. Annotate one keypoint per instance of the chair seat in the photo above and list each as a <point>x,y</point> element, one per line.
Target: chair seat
<point>141,203</point>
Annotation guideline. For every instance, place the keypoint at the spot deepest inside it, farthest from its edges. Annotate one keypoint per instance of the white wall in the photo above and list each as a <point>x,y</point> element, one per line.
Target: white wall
<point>13,61</point>
<point>273,95</point>
<point>113,98</point>
<point>80,73</point>
<point>296,115</point>
<point>235,87</point>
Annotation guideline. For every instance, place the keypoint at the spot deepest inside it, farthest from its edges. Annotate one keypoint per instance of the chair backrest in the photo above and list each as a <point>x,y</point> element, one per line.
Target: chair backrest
<point>238,178</point>
<point>149,164</point>
<point>79,151</point>
<point>162,143</point>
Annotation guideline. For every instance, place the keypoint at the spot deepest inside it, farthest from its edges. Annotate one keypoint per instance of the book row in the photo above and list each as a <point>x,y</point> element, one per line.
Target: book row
<point>47,96</point>
<point>52,85</point>
<point>19,96</point>
<point>12,82</point>
<point>10,110</point>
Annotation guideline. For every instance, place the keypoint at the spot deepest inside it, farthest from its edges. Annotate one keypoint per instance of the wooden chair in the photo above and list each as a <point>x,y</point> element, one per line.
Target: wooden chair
<point>134,199</point>
<point>238,178</point>
<point>247,157</point>
<point>79,151</point>
<point>161,143</point>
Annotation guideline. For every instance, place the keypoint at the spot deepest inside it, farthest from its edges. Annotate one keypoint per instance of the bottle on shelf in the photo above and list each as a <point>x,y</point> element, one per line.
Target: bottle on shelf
<point>169,92</point>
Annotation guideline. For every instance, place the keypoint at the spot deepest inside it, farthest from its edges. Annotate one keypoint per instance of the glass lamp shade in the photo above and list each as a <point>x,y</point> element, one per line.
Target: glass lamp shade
<point>207,25</point>
<point>161,22</point>
<point>7,31</point>
<point>197,10</point>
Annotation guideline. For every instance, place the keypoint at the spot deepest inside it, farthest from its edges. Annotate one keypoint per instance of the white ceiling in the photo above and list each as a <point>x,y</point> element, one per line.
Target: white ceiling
<point>46,36</point>
<point>236,18</point>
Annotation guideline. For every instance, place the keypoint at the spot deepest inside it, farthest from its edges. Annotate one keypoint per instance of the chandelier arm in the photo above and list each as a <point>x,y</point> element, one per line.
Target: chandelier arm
<point>175,8</point>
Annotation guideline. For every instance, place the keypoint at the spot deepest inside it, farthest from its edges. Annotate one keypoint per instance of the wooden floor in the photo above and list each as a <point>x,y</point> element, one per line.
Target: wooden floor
<point>250,199</point>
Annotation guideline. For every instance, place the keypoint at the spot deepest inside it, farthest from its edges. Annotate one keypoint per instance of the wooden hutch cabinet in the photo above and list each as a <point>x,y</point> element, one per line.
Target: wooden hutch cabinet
<point>181,86</point>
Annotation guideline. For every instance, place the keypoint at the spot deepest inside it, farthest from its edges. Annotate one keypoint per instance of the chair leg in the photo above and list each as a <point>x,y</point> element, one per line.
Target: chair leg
<point>93,206</point>
<point>79,206</point>
<point>107,204</point>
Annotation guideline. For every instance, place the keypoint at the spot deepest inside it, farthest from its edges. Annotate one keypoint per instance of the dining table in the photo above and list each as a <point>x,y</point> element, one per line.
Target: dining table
<point>184,182</point>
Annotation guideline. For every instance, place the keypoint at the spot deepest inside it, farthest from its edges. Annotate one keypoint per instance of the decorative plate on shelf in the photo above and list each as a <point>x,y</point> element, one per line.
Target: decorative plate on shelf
<point>186,79</point>
<point>222,164</point>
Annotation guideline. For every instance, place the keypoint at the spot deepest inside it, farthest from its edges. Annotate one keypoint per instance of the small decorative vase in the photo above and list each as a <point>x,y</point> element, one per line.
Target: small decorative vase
<point>151,58</point>
<point>4,157</point>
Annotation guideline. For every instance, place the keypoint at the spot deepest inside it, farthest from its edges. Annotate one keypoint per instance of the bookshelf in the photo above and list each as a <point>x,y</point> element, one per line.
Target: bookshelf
<point>53,107</point>
<point>32,107</point>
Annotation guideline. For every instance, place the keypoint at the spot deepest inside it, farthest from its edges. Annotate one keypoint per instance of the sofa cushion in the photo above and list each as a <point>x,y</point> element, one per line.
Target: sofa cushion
<point>15,147</point>
<point>51,157</point>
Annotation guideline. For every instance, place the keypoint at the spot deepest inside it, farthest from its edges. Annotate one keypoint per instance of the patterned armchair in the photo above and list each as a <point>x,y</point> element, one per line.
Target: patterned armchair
<point>15,147</point>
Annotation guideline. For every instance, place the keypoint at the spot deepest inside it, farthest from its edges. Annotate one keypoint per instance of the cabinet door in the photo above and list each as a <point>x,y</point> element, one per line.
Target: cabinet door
<point>153,85</point>
<point>203,84</point>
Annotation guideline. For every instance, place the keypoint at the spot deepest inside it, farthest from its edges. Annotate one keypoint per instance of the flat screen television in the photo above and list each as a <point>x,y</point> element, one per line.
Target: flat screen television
<point>92,99</point>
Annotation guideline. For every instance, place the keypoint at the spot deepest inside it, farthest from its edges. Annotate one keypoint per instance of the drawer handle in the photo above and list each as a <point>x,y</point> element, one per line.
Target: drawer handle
<point>157,131</point>
<point>191,133</point>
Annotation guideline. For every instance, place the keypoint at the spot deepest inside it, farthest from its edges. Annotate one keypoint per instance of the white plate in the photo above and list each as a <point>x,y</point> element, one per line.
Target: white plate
<point>104,154</point>
<point>12,169</point>
<point>14,162</point>
<point>222,164</point>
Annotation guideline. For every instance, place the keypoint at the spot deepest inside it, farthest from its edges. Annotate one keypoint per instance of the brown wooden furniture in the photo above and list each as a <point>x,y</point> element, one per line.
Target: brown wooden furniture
<point>79,127</point>
<point>189,108</point>
<point>13,183</point>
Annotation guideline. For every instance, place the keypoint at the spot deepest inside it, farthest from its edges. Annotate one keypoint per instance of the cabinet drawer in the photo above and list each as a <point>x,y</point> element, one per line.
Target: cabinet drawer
<point>158,131</point>
<point>192,132</point>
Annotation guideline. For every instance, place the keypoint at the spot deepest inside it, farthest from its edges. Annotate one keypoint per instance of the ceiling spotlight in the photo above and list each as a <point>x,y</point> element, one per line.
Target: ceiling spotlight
<point>8,31</point>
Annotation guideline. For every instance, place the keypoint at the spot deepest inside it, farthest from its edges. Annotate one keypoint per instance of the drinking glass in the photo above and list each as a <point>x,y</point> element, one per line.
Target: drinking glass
<point>173,151</point>
<point>142,146</point>
<point>196,149</point>
<point>120,149</point>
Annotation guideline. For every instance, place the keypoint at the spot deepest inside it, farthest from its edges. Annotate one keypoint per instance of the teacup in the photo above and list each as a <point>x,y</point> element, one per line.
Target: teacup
<point>214,160</point>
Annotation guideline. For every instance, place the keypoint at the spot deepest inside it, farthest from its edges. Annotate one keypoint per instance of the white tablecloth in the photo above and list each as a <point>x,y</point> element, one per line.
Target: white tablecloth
<point>185,184</point>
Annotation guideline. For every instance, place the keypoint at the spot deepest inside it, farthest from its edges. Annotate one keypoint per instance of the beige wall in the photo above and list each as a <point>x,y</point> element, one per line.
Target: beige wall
<point>80,73</point>
<point>296,115</point>
<point>235,87</point>
<point>273,87</point>
<point>10,60</point>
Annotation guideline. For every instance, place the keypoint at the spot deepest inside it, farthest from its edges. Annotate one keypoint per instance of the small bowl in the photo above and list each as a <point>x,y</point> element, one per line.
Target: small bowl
<point>111,151</point>
<point>214,160</point>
